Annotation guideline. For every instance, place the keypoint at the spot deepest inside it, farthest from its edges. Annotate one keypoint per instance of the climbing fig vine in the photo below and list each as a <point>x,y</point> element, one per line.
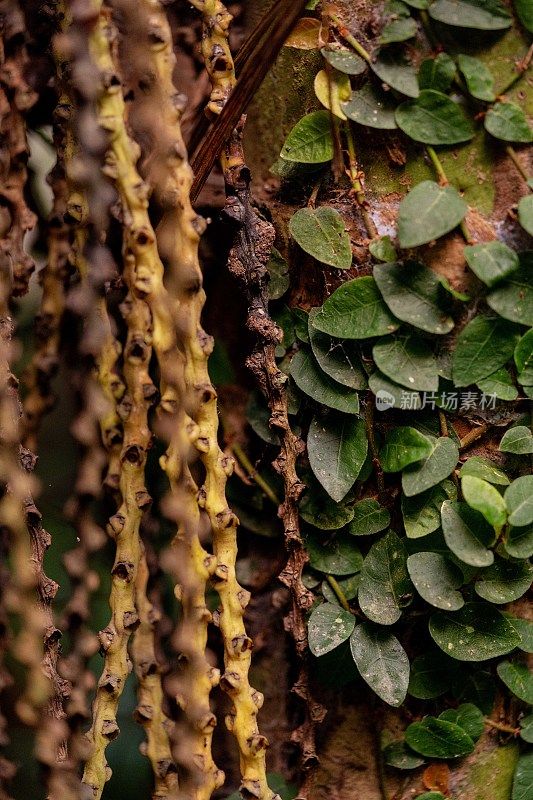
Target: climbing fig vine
<point>348,461</point>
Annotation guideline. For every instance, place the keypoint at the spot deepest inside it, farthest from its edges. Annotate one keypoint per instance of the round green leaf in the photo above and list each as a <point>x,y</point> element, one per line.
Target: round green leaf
<point>524,628</point>
<point>430,675</point>
<point>485,344</point>
<point>519,542</point>
<point>518,678</point>
<point>310,379</point>
<point>427,212</point>
<point>337,448</point>
<point>338,358</point>
<point>519,501</point>
<point>434,119</point>
<point>508,122</point>
<point>383,249</point>
<point>483,497</point>
<point>328,627</point>
<point>437,73</point>
<point>468,716</point>
<point>398,755</point>
<point>476,632</point>
<point>437,738</point>
<point>484,469</point>
<point>369,517</point>
<point>355,311</point>
<point>504,581</point>
<point>483,15</point>
<point>500,384</point>
<point>408,360</point>
<point>382,662</point>
<point>513,299</point>
<point>344,61</point>
<point>320,232</point>
<point>478,77</point>
<point>391,395</point>
<point>337,555</point>
<point>491,261</point>
<point>525,213</point>
<point>523,778</point>
<point>436,580</point>
<point>398,30</point>
<point>396,73</point>
<point>524,9</point>
<point>385,586</point>
<point>371,107</point>
<point>278,271</point>
<point>435,468</point>
<point>467,534</point>
<point>526,729</point>
<point>319,510</point>
<point>403,446</point>
<point>523,357</point>
<point>411,291</point>
<point>310,141</point>
<point>421,513</point>
<point>517,440</point>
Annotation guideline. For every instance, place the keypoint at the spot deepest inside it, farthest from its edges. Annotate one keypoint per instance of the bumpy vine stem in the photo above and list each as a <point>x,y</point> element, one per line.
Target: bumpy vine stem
<point>216,53</point>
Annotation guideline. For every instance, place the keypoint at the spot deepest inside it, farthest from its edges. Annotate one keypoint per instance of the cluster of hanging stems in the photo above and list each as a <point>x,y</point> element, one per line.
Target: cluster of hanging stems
<point>140,373</point>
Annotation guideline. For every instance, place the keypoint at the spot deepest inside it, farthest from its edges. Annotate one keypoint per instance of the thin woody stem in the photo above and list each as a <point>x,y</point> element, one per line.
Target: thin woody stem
<point>245,462</point>
<point>349,37</point>
<point>355,178</point>
<point>511,152</point>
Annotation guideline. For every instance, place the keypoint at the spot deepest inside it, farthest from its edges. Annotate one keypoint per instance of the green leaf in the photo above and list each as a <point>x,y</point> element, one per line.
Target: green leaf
<point>257,416</point>
<point>420,4</point>
<point>399,756</point>
<point>508,122</point>
<point>332,88</point>
<point>468,716</point>
<point>526,729</point>
<point>517,440</point>
<point>483,497</point>
<point>385,586</point>
<point>525,213</point>
<point>491,261</point>
<point>310,141</point>
<point>437,738</point>
<point>337,555</point>
<point>338,358</point>
<point>504,581</point>
<point>483,346</point>
<point>467,534</point>
<point>436,580</point>
<point>411,291</point>
<point>421,514</point>
<point>383,249</point>
<point>519,542</point>
<point>391,395</point>
<point>404,446</point>
<point>476,632</point>
<point>474,687</point>
<point>319,510</point>
<point>320,233</point>
<point>434,119</point>
<point>484,469</point>
<point>344,61</point>
<point>349,587</point>
<point>483,15</point>
<point>328,627</point>
<point>523,358</point>
<point>513,299</point>
<point>278,270</point>
<point>524,628</point>
<point>431,675</point>
<point>398,30</point>
<point>337,448</point>
<point>355,311</point>
<point>519,500</point>
<point>371,107</point>
<point>407,360</point>
<point>478,77</point>
<point>396,72</point>
<point>437,73</point>
<point>518,678</point>
<point>382,662</point>
<point>427,212</point>
<point>523,778</point>
<point>369,517</point>
<point>310,379</point>
<point>524,10</point>
<point>500,384</point>
<point>431,796</point>
<point>434,469</point>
